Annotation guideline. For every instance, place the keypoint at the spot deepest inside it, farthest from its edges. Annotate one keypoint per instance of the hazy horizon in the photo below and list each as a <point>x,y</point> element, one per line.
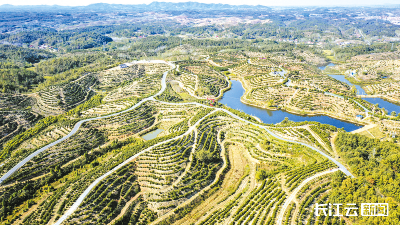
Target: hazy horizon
<point>230,2</point>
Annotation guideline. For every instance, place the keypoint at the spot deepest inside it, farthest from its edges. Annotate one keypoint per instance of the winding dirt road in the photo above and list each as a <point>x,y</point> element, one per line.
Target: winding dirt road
<point>292,195</point>
<point>73,208</point>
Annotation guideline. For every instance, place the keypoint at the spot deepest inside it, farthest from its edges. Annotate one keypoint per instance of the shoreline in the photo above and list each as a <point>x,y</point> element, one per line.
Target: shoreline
<point>308,114</point>
<point>383,97</point>
<point>244,101</point>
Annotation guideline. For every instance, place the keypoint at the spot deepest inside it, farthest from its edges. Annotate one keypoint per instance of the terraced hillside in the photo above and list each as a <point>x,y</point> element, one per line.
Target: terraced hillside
<point>16,115</point>
<point>387,90</point>
<point>14,122</point>
<point>57,99</point>
<point>295,87</point>
<point>207,165</point>
<point>117,76</point>
<point>194,114</point>
<point>227,60</point>
<point>200,79</point>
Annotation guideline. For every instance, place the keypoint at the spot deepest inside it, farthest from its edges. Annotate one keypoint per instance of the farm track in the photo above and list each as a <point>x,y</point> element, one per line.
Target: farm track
<point>78,125</point>
<point>318,138</point>
<point>217,177</point>
<point>292,195</point>
<point>72,209</point>
<point>222,197</point>
<point>365,128</point>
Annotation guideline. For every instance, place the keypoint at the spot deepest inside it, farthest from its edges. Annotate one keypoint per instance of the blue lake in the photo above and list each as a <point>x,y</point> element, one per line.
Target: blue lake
<point>232,99</point>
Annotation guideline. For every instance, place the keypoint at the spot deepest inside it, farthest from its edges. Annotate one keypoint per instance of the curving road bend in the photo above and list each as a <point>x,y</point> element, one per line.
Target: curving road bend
<point>341,167</point>
<point>78,202</point>
<point>292,196</point>
<point>78,125</point>
<point>163,86</point>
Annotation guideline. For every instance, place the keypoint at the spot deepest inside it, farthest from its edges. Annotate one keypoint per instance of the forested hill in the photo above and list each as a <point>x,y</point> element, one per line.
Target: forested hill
<point>376,165</point>
<point>22,55</point>
<point>71,39</point>
<point>13,63</point>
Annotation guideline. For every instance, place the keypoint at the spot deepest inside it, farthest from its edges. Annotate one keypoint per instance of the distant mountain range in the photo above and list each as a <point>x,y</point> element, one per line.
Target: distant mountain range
<point>154,6</point>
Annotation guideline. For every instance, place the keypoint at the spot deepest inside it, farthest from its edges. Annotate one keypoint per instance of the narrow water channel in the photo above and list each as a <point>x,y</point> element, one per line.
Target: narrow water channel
<point>390,107</point>
<point>360,90</point>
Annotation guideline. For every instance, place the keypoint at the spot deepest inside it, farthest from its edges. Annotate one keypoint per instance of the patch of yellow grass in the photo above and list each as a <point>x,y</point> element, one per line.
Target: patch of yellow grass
<point>327,52</point>
<point>184,95</point>
<point>374,132</point>
<point>331,57</point>
<point>366,133</point>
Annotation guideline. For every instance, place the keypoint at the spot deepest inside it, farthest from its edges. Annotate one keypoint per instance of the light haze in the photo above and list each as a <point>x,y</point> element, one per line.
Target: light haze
<point>232,2</point>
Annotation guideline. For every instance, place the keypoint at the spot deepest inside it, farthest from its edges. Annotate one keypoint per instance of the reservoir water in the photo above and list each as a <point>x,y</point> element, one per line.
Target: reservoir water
<point>390,107</point>
<point>323,67</point>
<point>232,99</point>
<point>342,78</point>
<point>152,135</point>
